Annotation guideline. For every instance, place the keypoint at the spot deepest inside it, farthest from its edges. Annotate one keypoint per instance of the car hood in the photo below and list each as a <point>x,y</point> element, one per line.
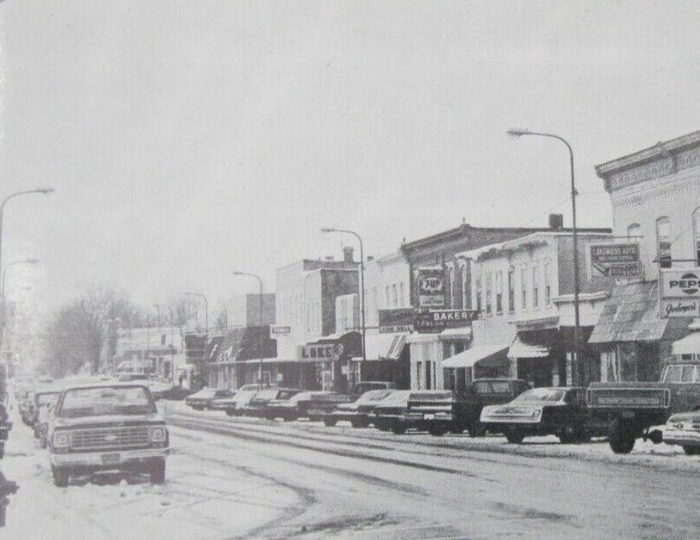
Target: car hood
<point>107,419</point>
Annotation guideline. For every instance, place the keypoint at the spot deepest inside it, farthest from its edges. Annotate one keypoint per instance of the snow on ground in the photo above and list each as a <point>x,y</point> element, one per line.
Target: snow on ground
<point>201,499</point>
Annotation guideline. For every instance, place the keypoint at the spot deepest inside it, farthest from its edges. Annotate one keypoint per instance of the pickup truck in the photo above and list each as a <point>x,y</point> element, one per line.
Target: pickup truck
<point>629,409</point>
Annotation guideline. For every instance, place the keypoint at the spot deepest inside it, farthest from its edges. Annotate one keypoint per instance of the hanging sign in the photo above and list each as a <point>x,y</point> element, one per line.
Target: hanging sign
<point>619,260</point>
<point>431,287</point>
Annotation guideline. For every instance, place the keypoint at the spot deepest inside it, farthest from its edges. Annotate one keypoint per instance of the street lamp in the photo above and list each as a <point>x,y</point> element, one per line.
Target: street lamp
<point>362,289</point>
<point>578,366</point>
<point>260,321</point>
<point>44,190</point>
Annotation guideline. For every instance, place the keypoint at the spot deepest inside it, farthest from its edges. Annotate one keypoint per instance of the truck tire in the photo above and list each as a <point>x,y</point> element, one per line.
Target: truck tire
<point>398,429</point>
<point>329,422</point>
<point>61,477</point>
<point>359,423</point>
<point>477,430</point>
<point>157,471</point>
<point>515,436</point>
<point>621,437</point>
<point>437,431</point>
<point>691,450</point>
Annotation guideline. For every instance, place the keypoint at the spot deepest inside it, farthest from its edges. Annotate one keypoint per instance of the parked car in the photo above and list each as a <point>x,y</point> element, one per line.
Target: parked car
<point>388,412</point>
<point>5,427</point>
<point>43,403</point>
<point>257,405</point>
<point>357,412</point>
<point>107,427</point>
<point>365,386</point>
<point>311,405</point>
<point>483,392</point>
<point>203,399</point>
<point>542,411</point>
<point>234,405</point>
<point>629,410</point>
<point>684,429</point>
<point>176,393</point>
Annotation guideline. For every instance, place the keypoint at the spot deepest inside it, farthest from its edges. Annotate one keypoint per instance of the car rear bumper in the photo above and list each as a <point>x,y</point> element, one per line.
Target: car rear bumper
<point>107,460</point>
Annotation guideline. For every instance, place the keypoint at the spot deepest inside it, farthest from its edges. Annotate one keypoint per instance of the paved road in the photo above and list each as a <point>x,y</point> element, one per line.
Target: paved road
<point>348,482</point>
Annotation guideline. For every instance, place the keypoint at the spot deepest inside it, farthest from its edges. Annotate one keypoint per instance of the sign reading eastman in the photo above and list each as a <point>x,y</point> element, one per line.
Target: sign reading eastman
<point>615,260</point>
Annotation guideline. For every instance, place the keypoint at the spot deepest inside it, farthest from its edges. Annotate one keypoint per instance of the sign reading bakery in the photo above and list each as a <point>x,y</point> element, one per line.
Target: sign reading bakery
<point>431,287</point>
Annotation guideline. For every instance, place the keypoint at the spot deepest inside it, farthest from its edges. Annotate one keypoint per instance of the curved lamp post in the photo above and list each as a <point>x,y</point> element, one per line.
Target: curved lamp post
<point>577,365</point>
<point>260,321</point>
<point>362,290</point>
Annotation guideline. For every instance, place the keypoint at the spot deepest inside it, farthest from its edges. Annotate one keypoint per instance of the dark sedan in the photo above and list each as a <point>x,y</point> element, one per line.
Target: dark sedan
<point>258,403</point>
<point>357,412</point>
<point>541,411</point>
<point>203,399</point>
<point>311,405</point>
<point>388,413</point>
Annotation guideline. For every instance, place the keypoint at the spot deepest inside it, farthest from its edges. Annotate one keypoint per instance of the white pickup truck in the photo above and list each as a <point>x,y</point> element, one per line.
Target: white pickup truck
<point>106,427</point>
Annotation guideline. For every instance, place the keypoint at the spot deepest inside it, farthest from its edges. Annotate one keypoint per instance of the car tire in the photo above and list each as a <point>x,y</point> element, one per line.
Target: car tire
<point>61,477</point>
<point>359,423</point>
<point>398,429</point>
<point>229,412</point>
<point>437,431</point>
<point>691,450</point>
<point>198,408</point>
<point>514,437</point>
<point>621,437</point>
<point>329,422</point>
<point>477,430</point>
<point>157,471</point>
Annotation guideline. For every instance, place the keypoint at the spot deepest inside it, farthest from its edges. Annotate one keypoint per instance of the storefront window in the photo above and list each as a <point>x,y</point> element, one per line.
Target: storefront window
<point>511,290</point>
<point>499,292</point>
<point>465,299</point>
<point>523,287</point>
<point>634,230</point>
<point>488,293</point>
<point>535,286</point>
<point>663,242</point>
<point>547,283</point>
<point>478,293</point>
<point>394,295</point>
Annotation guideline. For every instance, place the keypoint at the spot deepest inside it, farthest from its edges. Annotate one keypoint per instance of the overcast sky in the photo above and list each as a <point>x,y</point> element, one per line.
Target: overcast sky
<point>186,139</point>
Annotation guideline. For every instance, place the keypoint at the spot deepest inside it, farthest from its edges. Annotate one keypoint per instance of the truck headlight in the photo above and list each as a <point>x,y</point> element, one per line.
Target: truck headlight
<point>157,434</point>
<point>61,439</point>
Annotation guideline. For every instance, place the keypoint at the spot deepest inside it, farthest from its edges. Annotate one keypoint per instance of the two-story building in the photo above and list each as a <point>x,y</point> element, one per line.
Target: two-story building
<point>156,351</point>
<point>523,290</point>
<point>655,195</point>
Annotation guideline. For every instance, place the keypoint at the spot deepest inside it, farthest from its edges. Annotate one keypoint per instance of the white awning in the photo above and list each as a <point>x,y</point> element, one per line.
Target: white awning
<point>465,332</point>
<point>520,349</point>
<point>690,344</point>
<point>471,356</point>
<point>385,346</point>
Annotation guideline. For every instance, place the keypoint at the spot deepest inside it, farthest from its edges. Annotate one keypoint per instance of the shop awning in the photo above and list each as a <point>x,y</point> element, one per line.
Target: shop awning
<point>471,357</point>
<point>690,344</point>
<point>465,332</point>
<point>385,346</point>
<point>521,349</point>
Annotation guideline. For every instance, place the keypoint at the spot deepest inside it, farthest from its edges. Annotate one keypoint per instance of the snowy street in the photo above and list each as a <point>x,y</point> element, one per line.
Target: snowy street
<point>233,477</point>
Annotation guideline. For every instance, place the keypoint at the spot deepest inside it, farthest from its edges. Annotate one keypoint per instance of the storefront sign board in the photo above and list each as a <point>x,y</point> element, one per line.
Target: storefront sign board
<point>618,260</point>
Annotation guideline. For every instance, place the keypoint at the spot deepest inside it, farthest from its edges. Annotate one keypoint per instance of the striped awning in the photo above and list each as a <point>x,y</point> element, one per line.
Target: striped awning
<point>385,346</point>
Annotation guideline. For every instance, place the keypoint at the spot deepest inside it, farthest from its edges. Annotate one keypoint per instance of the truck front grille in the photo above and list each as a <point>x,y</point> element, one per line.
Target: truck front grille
<point>116,438</point>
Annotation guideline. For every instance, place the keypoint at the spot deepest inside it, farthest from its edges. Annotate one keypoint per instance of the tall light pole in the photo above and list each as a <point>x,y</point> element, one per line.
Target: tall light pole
<point>206,325</point>
<point>260,321</point>
<point>579,373</point>
<point>44,190</point>
<point>362,291</point>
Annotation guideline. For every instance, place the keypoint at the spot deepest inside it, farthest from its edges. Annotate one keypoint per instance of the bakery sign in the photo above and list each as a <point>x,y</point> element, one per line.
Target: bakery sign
<point>680,292</point>
<point>431,287</point>
<point>436,320</point>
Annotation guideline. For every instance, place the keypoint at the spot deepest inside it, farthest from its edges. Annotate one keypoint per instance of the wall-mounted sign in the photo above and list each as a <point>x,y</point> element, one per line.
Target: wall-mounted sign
<point>280,330</point>
<point>680,283</point>
<point>395,320</point>
<point>431,287</point>
<point>615,260</point>
<point>680,307</point>
<point>436,320</point>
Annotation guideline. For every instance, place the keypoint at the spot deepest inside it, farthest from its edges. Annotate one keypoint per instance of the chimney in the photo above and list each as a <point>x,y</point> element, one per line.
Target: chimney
<point>556,221</point>
<point>347,254</point>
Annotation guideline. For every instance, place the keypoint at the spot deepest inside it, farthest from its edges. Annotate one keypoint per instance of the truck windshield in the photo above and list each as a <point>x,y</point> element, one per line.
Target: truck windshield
<point>102,401</point>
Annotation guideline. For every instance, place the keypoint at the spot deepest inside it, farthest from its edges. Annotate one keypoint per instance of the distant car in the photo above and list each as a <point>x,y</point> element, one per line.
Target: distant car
<point>559,411</point>
<point>44,401</point>
<point>257,405</point>
<point>684,429</point>
<point>357,412</point>
<point>388,412</point>
<point>312,405</point>
<point>107,427</point>
<point>203,399</point>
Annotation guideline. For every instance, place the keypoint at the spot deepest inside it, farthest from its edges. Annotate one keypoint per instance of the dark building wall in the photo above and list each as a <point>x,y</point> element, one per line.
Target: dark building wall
<point>335,283</point>
<point>253,309</point>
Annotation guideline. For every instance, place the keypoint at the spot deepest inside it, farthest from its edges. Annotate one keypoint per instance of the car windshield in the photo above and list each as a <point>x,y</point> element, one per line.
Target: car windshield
<point>104,401</point>
<point>541,394</point>
<point>242,397</point>
<point>373,395</point>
